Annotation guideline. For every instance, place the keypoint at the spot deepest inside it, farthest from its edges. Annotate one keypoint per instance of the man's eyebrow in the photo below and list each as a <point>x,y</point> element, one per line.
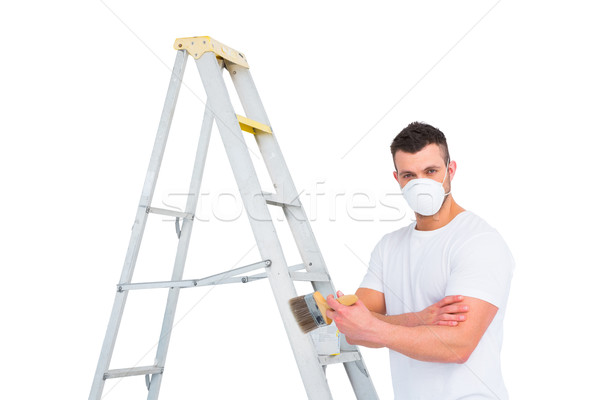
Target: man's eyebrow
<point>405,171</point>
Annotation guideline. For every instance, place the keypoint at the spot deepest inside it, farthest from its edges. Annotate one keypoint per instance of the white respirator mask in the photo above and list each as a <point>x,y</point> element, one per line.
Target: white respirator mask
<point>425,196</point>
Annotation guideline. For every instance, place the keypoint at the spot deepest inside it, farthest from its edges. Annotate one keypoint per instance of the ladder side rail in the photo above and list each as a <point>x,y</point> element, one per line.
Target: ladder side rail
<point>158,152</point>
<point>182,249</point>
<point>282,179</point>
<point>358,374</point>
<point>360,380</point>
<point>312,373</point>
<point>295,215</point>
<point>139,224</point>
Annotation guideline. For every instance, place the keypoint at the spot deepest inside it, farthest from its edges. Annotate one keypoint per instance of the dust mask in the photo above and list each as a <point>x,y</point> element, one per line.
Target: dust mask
<point>425,196</point>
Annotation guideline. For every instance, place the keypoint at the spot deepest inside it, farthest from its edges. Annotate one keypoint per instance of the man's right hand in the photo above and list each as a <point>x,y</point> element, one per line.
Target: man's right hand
<point>447,312</point>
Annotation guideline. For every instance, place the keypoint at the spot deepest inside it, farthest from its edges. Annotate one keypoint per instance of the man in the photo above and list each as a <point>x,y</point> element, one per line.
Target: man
<point>448,254</point>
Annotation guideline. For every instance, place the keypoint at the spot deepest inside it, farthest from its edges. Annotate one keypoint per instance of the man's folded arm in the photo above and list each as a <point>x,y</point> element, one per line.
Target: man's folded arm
<point>432,343</point>
<point>449,311</point>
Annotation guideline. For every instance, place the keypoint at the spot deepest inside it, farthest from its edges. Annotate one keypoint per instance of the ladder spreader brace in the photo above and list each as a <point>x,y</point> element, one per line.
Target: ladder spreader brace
<point>217,279</point>
<point>231,276</point>
<point>211,58</point>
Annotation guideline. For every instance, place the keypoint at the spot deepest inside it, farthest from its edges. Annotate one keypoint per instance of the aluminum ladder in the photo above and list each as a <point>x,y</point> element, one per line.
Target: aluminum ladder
<point>211,58</point>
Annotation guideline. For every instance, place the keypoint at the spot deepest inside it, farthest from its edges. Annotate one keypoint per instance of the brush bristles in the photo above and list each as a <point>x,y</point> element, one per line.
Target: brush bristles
<point>303,316</point>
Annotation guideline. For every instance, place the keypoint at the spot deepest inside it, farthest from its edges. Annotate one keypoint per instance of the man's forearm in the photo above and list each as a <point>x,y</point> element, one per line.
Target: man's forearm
<point>408,319</point>
<point>450,311</point>
<point>425,342</point>
<point>422,342</point>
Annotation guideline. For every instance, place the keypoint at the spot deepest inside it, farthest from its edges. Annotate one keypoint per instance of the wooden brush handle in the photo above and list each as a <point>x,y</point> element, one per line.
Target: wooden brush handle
<point>346,300</point>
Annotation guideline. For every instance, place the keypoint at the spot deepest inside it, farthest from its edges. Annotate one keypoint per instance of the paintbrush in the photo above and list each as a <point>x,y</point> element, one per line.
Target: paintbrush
<point>310,311</point>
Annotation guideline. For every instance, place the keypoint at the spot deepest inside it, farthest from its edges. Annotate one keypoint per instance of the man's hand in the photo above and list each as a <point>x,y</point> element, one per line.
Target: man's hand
<point>447,312</point>
<point>355,321</point>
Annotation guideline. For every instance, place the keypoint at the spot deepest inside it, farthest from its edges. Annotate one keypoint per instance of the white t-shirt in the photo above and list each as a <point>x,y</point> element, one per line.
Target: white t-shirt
<point>415,269</point>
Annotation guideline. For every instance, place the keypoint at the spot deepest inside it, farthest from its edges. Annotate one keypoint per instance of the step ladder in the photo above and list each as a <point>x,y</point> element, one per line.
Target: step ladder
<point>211,58</point>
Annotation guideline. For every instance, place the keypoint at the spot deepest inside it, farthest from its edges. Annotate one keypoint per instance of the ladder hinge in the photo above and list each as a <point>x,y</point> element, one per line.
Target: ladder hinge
<point>198,45</point>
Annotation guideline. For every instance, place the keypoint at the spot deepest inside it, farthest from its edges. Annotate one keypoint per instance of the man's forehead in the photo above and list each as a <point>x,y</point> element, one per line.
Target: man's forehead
<point>430,155</point>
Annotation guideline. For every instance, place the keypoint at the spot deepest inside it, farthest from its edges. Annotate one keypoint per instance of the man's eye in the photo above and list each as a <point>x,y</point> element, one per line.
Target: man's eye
<point>406,176</point>
<point>431,171</point>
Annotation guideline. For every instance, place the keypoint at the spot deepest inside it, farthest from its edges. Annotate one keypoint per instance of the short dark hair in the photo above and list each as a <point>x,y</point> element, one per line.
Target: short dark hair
<point>416,136</point>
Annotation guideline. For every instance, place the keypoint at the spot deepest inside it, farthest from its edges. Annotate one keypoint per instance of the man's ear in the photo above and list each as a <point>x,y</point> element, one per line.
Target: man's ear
<point>451,169</point>
<point>396,176</point>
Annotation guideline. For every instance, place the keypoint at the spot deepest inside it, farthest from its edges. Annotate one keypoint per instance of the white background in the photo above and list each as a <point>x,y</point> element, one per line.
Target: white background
<point>514,85</point>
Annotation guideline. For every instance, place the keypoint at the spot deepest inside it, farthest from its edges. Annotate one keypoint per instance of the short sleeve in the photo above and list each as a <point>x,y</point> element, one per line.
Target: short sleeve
<point>482,268</point>
<point>374,276</point>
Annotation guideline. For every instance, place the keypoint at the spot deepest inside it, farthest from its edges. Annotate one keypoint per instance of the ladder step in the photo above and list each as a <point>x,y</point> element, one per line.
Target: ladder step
<point>252,126</point>
<point>123,372</point>
<point>170,213</point>
<point>276,200</point>
<point>343,357</point>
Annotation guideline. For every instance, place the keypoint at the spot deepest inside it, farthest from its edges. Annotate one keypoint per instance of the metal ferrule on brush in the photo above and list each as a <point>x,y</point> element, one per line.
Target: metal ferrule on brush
<point>314,310</point>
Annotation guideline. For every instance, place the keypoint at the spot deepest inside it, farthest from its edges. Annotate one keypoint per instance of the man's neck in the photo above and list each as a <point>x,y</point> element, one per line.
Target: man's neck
<point>443,217</point>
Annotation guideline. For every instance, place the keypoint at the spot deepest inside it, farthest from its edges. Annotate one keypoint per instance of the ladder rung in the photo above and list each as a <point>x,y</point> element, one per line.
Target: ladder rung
<point>343,357</point>
<point>252,126</point>
<point>123,372</point>
<point>275,200</point>
<point>170,213</point>
<point>309,276</point>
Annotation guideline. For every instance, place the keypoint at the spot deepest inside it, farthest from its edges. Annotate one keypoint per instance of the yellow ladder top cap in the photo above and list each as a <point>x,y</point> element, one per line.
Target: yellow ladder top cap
<point>198,45</point>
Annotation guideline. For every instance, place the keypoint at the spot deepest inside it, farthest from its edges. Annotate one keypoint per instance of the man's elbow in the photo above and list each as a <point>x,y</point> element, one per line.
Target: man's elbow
<point>461,355</point>
<point>463,358</point>
<point>452,355</point>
